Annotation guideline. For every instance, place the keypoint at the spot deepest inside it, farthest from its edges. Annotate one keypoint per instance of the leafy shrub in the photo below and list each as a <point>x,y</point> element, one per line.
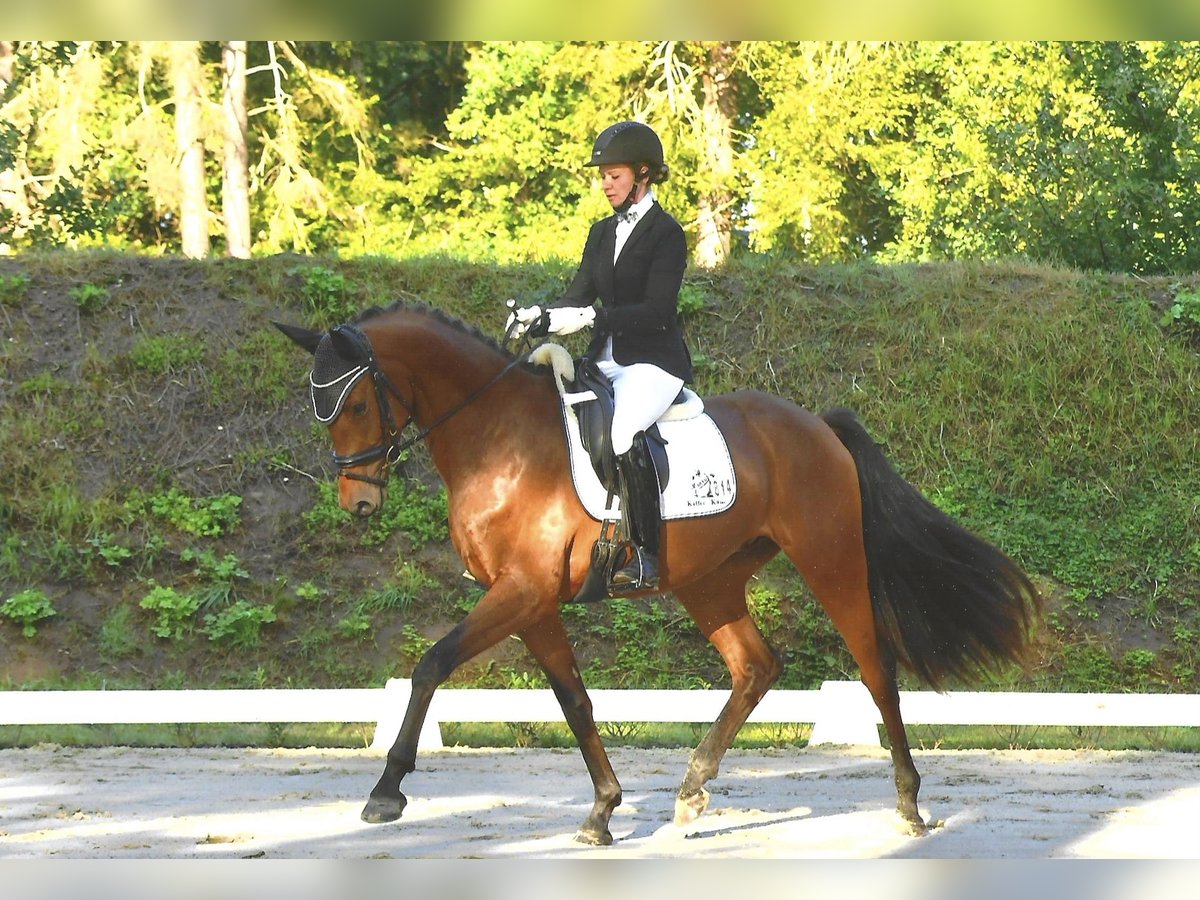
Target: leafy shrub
<point>328,296</point>
<point>26,608</point>
<point>411,509</point>
<point>12,289</point>
<point>691,300</point>
<point>220,576</point>
<point>239,625</point>
<point>357,625</point>
<point>106,547</point>
<point>173,612</point>
<point>200,516</point>
<point>90,298</point>
<point>1185,309</point>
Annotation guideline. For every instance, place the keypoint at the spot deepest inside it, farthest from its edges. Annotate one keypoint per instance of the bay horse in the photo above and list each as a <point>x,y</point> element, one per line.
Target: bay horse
<point>902,582</point>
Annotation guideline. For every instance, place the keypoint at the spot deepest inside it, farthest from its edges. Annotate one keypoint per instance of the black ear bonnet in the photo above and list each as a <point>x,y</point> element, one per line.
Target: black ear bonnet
<point>343,357</point>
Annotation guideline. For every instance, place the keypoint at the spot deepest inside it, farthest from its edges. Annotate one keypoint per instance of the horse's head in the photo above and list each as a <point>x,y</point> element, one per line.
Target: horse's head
<point>353,397</point>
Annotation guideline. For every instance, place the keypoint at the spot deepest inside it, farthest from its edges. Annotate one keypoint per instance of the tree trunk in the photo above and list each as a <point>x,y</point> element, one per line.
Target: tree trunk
<point>715,214</point>
<point>13,205</point>
<point>6,64</point>
<point>235,182</point>
<point>188,77</point>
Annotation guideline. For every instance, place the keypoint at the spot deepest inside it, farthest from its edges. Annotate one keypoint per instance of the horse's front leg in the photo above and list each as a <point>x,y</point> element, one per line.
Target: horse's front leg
<point>547,641</point>
<point>500,613</point>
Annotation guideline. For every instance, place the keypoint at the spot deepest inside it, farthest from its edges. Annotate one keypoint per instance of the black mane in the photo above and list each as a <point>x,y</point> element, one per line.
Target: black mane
<point>440,315</point>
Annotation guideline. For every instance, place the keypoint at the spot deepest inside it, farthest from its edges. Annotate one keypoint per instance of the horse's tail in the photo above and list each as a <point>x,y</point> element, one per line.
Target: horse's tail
<point>947,603</point>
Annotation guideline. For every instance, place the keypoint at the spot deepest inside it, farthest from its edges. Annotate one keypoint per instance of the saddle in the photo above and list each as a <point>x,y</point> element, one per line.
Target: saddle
<point>595,427</point>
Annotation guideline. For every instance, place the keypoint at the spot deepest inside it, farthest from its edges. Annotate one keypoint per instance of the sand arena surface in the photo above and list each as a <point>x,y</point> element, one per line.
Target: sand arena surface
<point>120,802</point>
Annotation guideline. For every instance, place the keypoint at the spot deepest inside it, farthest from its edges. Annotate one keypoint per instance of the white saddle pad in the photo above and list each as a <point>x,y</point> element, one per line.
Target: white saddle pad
<point>702,480</point>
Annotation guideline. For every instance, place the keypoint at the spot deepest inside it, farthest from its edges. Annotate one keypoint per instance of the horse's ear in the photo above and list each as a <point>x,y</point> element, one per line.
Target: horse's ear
<point>305,337</point>
<point>350,344</point>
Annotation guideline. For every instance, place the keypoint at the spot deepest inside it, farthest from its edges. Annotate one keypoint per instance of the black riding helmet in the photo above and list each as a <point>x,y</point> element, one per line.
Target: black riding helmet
<point>634,144</point>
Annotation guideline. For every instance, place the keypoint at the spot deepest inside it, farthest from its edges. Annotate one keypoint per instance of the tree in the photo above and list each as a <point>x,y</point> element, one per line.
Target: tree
<point>235,181</point>
<point>187,76</point>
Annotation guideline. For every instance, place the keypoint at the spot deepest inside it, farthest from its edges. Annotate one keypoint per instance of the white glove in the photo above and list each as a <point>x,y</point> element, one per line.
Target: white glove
<point>523,317</point>
<point>570,319</point>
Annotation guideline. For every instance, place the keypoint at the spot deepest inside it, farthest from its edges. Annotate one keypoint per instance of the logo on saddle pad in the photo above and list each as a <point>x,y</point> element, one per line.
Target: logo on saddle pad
<point>702,480</point>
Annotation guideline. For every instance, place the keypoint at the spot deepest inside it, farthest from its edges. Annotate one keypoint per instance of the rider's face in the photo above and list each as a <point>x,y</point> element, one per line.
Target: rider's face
<point>617,181</point>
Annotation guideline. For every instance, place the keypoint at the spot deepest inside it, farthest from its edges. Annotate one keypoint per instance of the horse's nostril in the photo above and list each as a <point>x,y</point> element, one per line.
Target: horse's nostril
<point>364,508</point>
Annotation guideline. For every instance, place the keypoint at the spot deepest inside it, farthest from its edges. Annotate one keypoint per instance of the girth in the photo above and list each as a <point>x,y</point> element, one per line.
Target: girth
<point>595,427</point>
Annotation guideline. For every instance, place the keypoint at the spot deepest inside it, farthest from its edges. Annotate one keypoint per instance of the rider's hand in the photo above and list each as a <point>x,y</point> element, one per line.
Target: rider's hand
<point>519,320</point>
<point>570,319</point>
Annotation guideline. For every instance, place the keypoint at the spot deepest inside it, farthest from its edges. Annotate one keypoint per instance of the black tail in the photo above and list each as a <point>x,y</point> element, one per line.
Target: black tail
<point>947,603</point>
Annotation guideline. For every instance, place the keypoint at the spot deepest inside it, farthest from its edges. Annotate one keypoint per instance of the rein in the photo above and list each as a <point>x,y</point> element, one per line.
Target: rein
<point>391,447</point>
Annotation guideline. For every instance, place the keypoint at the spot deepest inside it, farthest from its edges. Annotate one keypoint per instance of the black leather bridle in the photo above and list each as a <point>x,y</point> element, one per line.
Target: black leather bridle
<point>390,447</point>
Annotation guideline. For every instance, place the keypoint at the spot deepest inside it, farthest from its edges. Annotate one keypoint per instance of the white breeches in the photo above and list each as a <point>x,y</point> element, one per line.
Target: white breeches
<point>642,393</point>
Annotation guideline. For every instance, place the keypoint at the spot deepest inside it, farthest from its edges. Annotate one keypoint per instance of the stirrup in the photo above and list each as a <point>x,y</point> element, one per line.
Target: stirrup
<point>640,573</point>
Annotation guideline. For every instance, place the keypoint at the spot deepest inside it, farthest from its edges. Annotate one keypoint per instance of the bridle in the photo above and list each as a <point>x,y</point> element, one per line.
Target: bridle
<point>390,447</point>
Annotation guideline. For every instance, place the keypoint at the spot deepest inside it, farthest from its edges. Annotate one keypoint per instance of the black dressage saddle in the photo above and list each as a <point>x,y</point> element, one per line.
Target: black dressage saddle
<point>595,427</point>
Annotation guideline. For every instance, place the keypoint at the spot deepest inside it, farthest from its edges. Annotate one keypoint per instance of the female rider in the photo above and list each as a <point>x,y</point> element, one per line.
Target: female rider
<point>633,262</point>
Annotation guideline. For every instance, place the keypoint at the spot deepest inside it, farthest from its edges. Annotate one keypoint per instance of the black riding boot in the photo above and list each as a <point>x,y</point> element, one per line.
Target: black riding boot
<point>639,501</point>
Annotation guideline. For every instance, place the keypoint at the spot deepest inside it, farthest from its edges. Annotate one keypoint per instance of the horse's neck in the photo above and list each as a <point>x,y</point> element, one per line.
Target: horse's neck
<point>481,418</point>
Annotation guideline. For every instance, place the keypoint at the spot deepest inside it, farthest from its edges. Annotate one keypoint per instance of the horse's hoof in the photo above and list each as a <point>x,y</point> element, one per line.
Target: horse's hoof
<point>384,809</point>
<point>915,825</point>
<point>688,809</point>
<point>596,837</point>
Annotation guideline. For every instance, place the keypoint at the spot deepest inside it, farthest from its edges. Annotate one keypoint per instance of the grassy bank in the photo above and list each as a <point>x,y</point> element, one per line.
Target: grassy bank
<point>168,520</point>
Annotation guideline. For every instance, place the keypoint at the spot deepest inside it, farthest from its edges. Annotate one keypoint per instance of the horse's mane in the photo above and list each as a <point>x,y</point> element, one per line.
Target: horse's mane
<point>440,315</point>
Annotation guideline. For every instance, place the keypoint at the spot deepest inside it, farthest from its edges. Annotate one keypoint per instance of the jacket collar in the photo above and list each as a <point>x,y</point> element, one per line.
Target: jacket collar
<point>643,225</point>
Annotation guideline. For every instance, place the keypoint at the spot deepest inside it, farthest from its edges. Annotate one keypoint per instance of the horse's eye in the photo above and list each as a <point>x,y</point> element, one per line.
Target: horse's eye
<point>360,408</point>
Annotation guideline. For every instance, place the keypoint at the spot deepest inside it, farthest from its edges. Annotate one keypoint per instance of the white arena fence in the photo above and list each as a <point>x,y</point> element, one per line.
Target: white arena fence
<point>841,712</point>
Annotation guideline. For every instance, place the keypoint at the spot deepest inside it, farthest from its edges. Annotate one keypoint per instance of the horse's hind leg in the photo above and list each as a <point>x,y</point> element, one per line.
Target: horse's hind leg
<point>718,604</point>
<point>547,641</point>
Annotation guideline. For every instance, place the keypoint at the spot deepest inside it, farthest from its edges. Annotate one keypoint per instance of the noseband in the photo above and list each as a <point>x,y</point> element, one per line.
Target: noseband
<point>391,447</point>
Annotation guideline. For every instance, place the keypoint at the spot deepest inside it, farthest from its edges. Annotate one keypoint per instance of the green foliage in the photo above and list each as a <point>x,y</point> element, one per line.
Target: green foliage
<point>691,300</point>
<point>414,644</point>
<point>356,625</point>
<point>1043,407</point>
<point>199,516</point>
<point>118,638</point>
<point>90,298</point>
<point>262,366</point>
<point>173,612</point>
<point>105,546</point>
<point>239,625</point>
<point>328,297</point>
<point>1185,309</point>
<point>27,608</point>
<point>410,509</point>
<point>309,591</point>
<point>1073,152</point>
<point>12,288</point>
<point>42,384</point>
<point>219,577</point>
<point>163,354</point>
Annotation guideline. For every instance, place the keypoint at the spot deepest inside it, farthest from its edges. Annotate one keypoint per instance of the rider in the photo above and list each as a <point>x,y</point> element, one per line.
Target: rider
<point>633,262</point>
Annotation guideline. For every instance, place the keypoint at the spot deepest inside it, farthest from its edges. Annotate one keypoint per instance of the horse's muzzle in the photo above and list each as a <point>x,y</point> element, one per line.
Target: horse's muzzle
<point>359,498</point>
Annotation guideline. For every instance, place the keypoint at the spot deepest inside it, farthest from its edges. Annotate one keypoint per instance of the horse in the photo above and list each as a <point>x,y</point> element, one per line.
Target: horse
<point>903,583</point>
